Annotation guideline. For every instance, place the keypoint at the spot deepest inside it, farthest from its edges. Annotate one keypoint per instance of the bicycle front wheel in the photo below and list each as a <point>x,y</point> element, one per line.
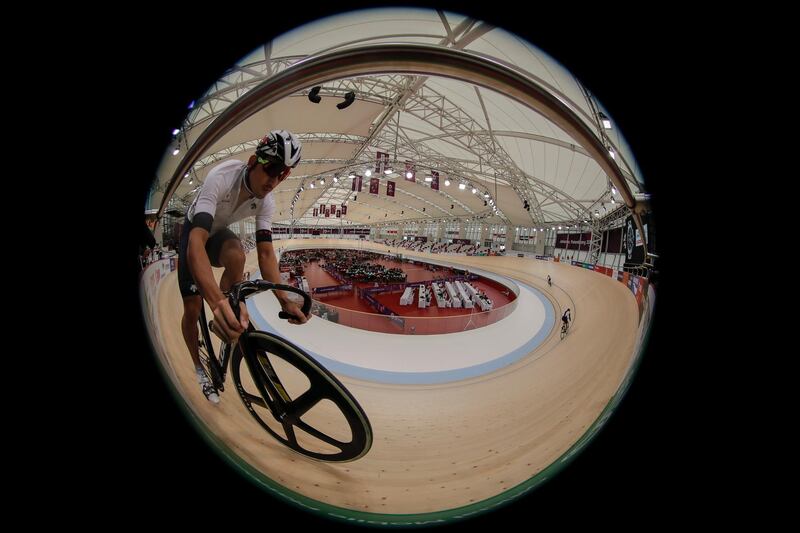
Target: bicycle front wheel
<point>306,408</point>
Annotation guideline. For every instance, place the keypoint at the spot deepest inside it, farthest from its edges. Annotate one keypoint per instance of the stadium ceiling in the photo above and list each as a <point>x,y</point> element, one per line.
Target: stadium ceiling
<point>515,159</point>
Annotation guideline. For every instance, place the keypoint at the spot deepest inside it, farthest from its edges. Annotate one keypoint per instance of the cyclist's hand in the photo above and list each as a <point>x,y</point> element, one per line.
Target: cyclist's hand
<point>244,316</point>
<point>297,316</point>
<point>225,321</point>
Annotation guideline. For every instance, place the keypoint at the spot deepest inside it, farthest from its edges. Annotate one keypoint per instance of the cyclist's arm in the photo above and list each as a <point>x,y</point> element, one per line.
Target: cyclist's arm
<point>268,264</point>
<point>267,258</point>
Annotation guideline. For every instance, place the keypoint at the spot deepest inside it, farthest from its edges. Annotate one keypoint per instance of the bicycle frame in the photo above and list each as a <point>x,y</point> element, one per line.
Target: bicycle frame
<point>244,290</point>
<point>225,352</point>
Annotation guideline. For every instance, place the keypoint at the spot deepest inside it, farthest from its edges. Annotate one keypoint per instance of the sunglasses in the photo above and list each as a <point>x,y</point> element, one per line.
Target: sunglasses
<point>265,163</point>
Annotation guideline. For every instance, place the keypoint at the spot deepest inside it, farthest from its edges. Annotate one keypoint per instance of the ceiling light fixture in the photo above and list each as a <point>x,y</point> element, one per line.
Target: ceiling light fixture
<point>604,120</point>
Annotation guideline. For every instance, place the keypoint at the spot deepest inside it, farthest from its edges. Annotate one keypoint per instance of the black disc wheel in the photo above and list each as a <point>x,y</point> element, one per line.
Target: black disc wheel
<point>298,401</point>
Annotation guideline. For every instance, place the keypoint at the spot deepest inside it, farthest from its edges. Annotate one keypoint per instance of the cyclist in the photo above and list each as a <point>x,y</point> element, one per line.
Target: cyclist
<point>231,192</point>
<point>566,318</point>
<point>549,281</point>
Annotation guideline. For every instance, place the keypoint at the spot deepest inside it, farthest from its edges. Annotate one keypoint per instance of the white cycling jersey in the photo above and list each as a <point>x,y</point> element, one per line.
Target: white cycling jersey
<point>218,196</point>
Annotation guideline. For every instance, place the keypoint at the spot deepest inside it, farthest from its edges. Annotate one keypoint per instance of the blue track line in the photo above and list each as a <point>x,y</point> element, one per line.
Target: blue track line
<point>426,378</point>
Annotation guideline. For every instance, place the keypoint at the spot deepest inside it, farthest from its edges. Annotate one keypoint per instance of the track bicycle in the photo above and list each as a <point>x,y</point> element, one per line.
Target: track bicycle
<point>279,384</point>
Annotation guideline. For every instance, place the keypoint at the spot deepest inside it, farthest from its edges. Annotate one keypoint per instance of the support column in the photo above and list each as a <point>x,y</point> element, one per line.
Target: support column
<point>538,243</point>
<point>511,234</point>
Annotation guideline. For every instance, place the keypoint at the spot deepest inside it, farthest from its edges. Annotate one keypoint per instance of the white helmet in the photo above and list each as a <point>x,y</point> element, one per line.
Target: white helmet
<point>279,146</point>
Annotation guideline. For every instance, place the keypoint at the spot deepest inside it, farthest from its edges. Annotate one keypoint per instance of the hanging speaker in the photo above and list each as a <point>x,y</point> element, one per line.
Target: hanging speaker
<point>314,95</point>
<point>349,98</point>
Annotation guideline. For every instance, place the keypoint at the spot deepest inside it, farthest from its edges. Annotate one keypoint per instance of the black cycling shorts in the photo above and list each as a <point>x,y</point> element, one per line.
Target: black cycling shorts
<point>214,244</point>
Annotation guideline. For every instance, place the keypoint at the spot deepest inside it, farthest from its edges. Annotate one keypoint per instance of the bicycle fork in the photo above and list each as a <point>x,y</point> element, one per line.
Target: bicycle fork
<point>272,389</point>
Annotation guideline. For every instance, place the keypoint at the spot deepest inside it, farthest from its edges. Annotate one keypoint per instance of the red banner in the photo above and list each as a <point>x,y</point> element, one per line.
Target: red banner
<point>338,213</point>
<point>327,212</point>
<point>316,212</point>
<point>389,188</point>
<point>435,182</point>
<point>373,185</point>
<point>381,162</point>
<point>321,208</point>
<point>344,209</point>
<point>357,184</point>
<point>410,168</point>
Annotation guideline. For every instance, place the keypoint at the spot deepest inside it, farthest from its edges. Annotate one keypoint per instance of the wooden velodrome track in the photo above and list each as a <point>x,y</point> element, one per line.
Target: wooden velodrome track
<point>444,446</point>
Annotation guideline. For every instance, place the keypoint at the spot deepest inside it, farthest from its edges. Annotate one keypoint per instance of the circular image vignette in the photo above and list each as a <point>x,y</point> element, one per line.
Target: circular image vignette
<point>468,257</point>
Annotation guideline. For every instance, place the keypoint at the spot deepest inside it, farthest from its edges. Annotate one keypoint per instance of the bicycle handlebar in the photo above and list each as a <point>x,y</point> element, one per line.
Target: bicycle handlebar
<point>245,289</point>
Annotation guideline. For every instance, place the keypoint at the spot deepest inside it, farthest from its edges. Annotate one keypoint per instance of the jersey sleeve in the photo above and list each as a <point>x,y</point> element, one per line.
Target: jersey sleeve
<point>209,194</point>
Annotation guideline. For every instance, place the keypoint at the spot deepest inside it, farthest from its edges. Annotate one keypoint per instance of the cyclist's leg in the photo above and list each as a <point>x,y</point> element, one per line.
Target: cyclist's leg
<point>192,305</point>
<point>189,327</point>
<point>192,301</point>
<point>232,258</point>
<point>191,334</point>
<point>225,250</point>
